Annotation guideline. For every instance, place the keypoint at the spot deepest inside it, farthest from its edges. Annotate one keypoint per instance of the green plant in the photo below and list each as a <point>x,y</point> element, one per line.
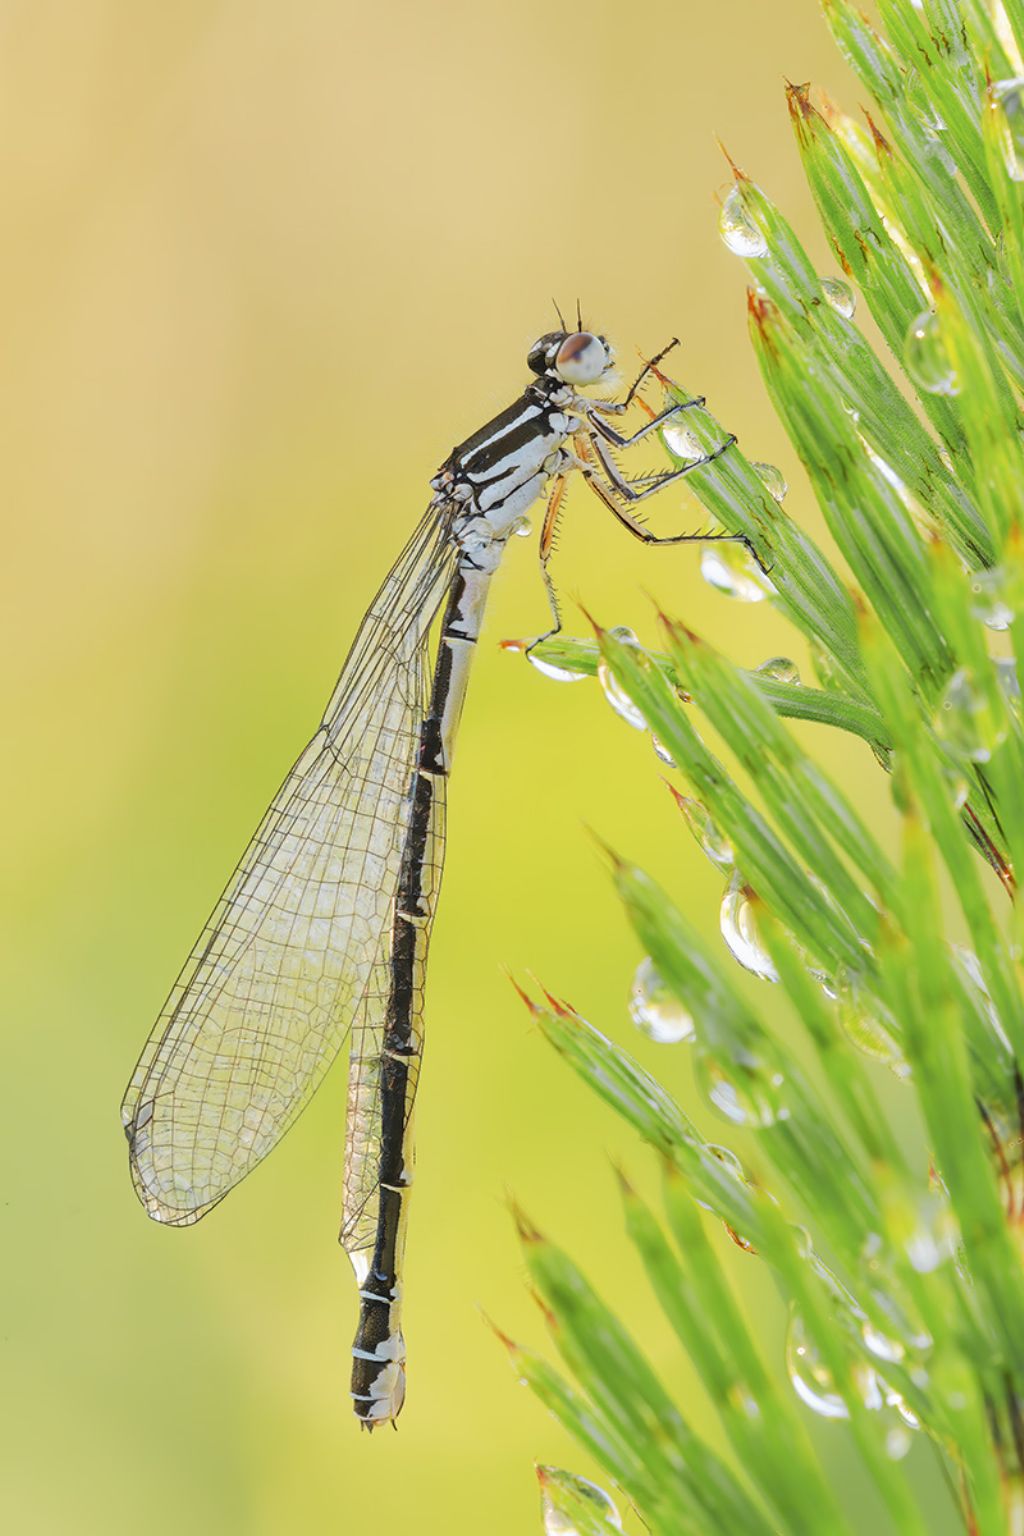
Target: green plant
<point>904,1278</point>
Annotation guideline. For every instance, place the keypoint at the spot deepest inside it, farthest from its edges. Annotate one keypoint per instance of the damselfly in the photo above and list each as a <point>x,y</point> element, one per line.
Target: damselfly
<point>322,930</point>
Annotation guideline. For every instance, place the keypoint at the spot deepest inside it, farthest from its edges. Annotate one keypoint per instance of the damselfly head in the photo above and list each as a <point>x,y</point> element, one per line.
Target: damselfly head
<point>575,357</point>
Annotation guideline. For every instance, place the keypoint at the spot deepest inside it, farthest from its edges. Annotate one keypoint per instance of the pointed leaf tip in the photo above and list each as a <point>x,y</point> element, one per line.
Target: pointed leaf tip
<point>595,626</point>
<point>527,1232</point>
<point>738,174</point>
<point>881,143</point>
<point>563,1009</point>
<point>798,99</point>
<point>606,848</point>
<point>527,999</point>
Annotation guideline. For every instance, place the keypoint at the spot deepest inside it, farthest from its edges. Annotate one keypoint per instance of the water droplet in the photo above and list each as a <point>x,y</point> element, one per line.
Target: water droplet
<point>812,1381</point>
<point>773,480</point>
<point>969,967</point>
<point>728,566</point>
<point>655,1010</point>
<point>738,230</point>
<point>557,674</point>
<point>927,357</point>
<point>616,695</point>
<point>965,720</point>
<point>574,1506</point>
<point>865,1026</point>
<point>662,752</point>
<point>521,528</point>
<point>780,669</point>
<point>881,1346</point>
<point>728,1159</point>
<point>739,930</point>
<point>840,295</point>
<point>745,1090</point>
<point>711,841</point>
<point>992,600</point>
<point>683,444</point>
<point>934,1238</point>
<point>1006,102</point>
<point>1009,681</point>
<point>898,1441</point>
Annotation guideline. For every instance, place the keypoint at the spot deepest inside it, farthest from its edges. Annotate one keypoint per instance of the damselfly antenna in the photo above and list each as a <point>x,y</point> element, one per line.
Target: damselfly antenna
<point>579,316</point>
<point>561,317</point>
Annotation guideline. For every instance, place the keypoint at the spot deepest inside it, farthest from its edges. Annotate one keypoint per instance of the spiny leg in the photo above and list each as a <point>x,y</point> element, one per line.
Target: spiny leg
<point>617,485</point>
<point>547,545</point>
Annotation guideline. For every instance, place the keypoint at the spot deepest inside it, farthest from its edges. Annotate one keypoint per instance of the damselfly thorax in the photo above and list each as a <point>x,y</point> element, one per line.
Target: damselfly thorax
<point>321,934</point>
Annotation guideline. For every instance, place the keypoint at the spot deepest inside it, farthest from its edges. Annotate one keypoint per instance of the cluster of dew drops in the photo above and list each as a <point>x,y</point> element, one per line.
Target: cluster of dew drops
<point>963,718</point>
<point>654,1008</point>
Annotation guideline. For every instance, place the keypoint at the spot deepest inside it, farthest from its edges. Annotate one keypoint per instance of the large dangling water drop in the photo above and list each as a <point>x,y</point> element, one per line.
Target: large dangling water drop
<point>574,1506</point>
<point>745,1091</point>
<point>772,478</point>
<point>614,692</point>
<point>780,669</point>
<point>992,598</point>
<point>682,444</point>
<point>865,1026</point>
<point>840,295</point>
<point>812,1381</point>
<point>927,357</point>
<point>556,674</point>
<point>738,230</point>
<point>713,843</point>
<point>739,930</point>
<point>655,1010</point>
<point>729,567</point>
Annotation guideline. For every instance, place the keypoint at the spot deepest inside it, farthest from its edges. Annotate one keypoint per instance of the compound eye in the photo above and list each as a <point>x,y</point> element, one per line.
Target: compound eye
<point>582,358</point>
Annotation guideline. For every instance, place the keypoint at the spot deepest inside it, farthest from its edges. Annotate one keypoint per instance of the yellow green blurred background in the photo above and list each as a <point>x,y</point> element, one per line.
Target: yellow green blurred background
<point>261,266</point>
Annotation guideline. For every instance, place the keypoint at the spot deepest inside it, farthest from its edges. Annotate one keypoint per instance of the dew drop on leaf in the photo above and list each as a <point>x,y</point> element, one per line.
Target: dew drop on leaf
<point>927,357</point>
<point>655,1010</point>
<point>862,1022</point>
<point>745,1091</point>
<point>614,692</point>
<point>728,566</point>
<point>991,598</point>
<point>811,1379</point>
<point>574,1506</point>
<point>682,444</point>
<point>772,478</point>
<point>739,930</point>
<point>780,669</point>
<point>840,295</point>
<point>738,230</point>
<point>966,721</point>
<point>556,674</point>
<point>711,841</point>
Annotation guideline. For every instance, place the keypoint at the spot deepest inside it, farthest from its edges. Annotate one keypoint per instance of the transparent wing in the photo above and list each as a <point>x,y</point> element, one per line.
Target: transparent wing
<point>293,950</point>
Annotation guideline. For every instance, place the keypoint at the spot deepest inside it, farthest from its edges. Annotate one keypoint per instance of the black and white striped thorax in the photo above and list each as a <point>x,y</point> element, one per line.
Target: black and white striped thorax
<point>496,475</point>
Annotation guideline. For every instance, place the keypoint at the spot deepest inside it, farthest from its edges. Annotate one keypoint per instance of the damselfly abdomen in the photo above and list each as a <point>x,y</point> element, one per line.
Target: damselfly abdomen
<point>322,931</point>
